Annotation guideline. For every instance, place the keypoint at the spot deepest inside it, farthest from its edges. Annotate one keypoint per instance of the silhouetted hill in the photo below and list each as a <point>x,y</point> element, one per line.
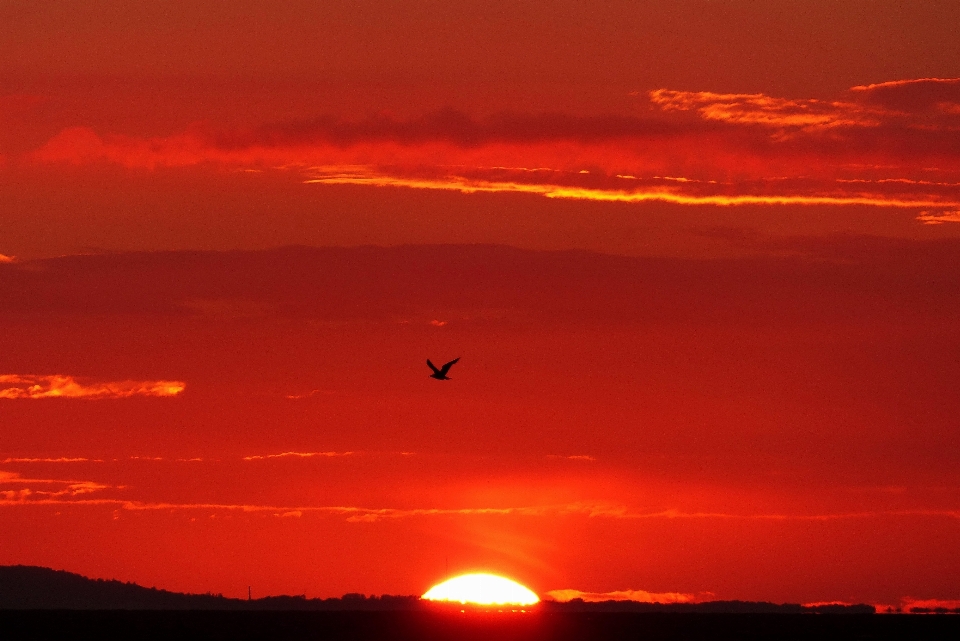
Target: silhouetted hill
<point>25,587</point>
<point>29,587</point>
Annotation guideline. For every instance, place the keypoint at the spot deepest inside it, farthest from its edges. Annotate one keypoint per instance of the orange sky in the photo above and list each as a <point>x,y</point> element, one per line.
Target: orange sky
<point>699,260</point>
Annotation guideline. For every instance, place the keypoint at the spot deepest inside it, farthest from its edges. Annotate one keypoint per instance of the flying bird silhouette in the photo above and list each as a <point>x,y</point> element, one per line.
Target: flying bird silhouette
<point>441,374</point>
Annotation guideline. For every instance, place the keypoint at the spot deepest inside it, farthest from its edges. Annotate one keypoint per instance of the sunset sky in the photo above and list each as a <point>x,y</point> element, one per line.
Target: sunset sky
<point>700,260</point>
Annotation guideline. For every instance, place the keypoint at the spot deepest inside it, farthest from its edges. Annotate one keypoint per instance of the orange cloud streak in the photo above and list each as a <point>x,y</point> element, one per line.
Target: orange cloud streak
<point>928,218</point>
<point>465,185</point>
<point>61,459</point>
<point>60,386</point>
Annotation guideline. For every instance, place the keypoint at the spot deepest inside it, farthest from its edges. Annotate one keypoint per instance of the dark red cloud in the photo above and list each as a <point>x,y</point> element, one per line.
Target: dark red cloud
<point>458,128</point>
<point>691,148</point>
<point>912,96</point>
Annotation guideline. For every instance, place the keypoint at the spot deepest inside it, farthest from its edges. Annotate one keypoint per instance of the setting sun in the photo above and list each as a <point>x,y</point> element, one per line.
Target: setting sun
<point>482,589</point>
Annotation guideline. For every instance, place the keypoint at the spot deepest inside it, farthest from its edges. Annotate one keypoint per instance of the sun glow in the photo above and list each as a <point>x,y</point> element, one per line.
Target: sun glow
<point>481,589</point>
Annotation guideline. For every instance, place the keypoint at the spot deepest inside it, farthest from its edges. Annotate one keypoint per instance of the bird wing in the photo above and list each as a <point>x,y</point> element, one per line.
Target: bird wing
<point>447,366</point>
<point>433,367</point>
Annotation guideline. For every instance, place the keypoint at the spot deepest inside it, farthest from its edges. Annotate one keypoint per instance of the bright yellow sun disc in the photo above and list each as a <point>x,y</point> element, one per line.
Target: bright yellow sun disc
<point>481,589</point>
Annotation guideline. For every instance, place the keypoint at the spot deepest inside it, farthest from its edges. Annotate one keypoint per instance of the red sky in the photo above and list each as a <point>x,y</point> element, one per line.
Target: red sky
<point>699,260</point>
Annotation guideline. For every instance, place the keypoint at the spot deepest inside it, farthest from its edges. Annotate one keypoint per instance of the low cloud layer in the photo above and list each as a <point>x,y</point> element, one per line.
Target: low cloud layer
<point>910,604</point>
<point>640,596</point>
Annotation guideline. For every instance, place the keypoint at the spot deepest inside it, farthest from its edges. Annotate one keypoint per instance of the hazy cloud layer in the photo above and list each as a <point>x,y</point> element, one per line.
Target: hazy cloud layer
<point>839,278</point>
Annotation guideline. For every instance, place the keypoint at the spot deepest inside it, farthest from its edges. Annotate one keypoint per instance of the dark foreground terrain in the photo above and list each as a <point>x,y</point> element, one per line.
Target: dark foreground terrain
<point>24,587</point>
<point>470,626</point>
<point>40,603</point>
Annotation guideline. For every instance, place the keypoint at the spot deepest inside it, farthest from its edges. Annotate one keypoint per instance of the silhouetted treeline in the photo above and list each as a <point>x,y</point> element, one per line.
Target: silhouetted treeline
<point>29,588</point>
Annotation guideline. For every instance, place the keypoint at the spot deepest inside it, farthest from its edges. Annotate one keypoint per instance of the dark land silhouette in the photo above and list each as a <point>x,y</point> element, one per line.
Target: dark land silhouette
<point>41,603</point>
<point>403,625</point>
<point>24,587</point>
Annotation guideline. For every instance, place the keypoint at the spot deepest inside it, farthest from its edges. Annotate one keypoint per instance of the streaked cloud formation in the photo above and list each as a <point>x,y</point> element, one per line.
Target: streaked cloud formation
<point>760,109</point>
<point>892,144</point>
<point>61,386</point>
<point>361,514</point>
<point>938,219</point>
<point>58,459</point>
<point>676,192</point>
<point>16,490</point>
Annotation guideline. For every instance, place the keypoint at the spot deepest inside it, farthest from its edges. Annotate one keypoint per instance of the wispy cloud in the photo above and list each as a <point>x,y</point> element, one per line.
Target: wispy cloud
<point>641,596</point>
<point>912,96</point>
<point>311,393</point>
<point>259,457</point>
<point>192,459</point>
<point>928,218</point>
<point>16,386</point>
<point>59,459</point>
<point>775,516</point>
<point>83,459</point>
<point>760,109</point>
<point>360,514</point>
<point>16,490</point>
<point>199,459</point>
